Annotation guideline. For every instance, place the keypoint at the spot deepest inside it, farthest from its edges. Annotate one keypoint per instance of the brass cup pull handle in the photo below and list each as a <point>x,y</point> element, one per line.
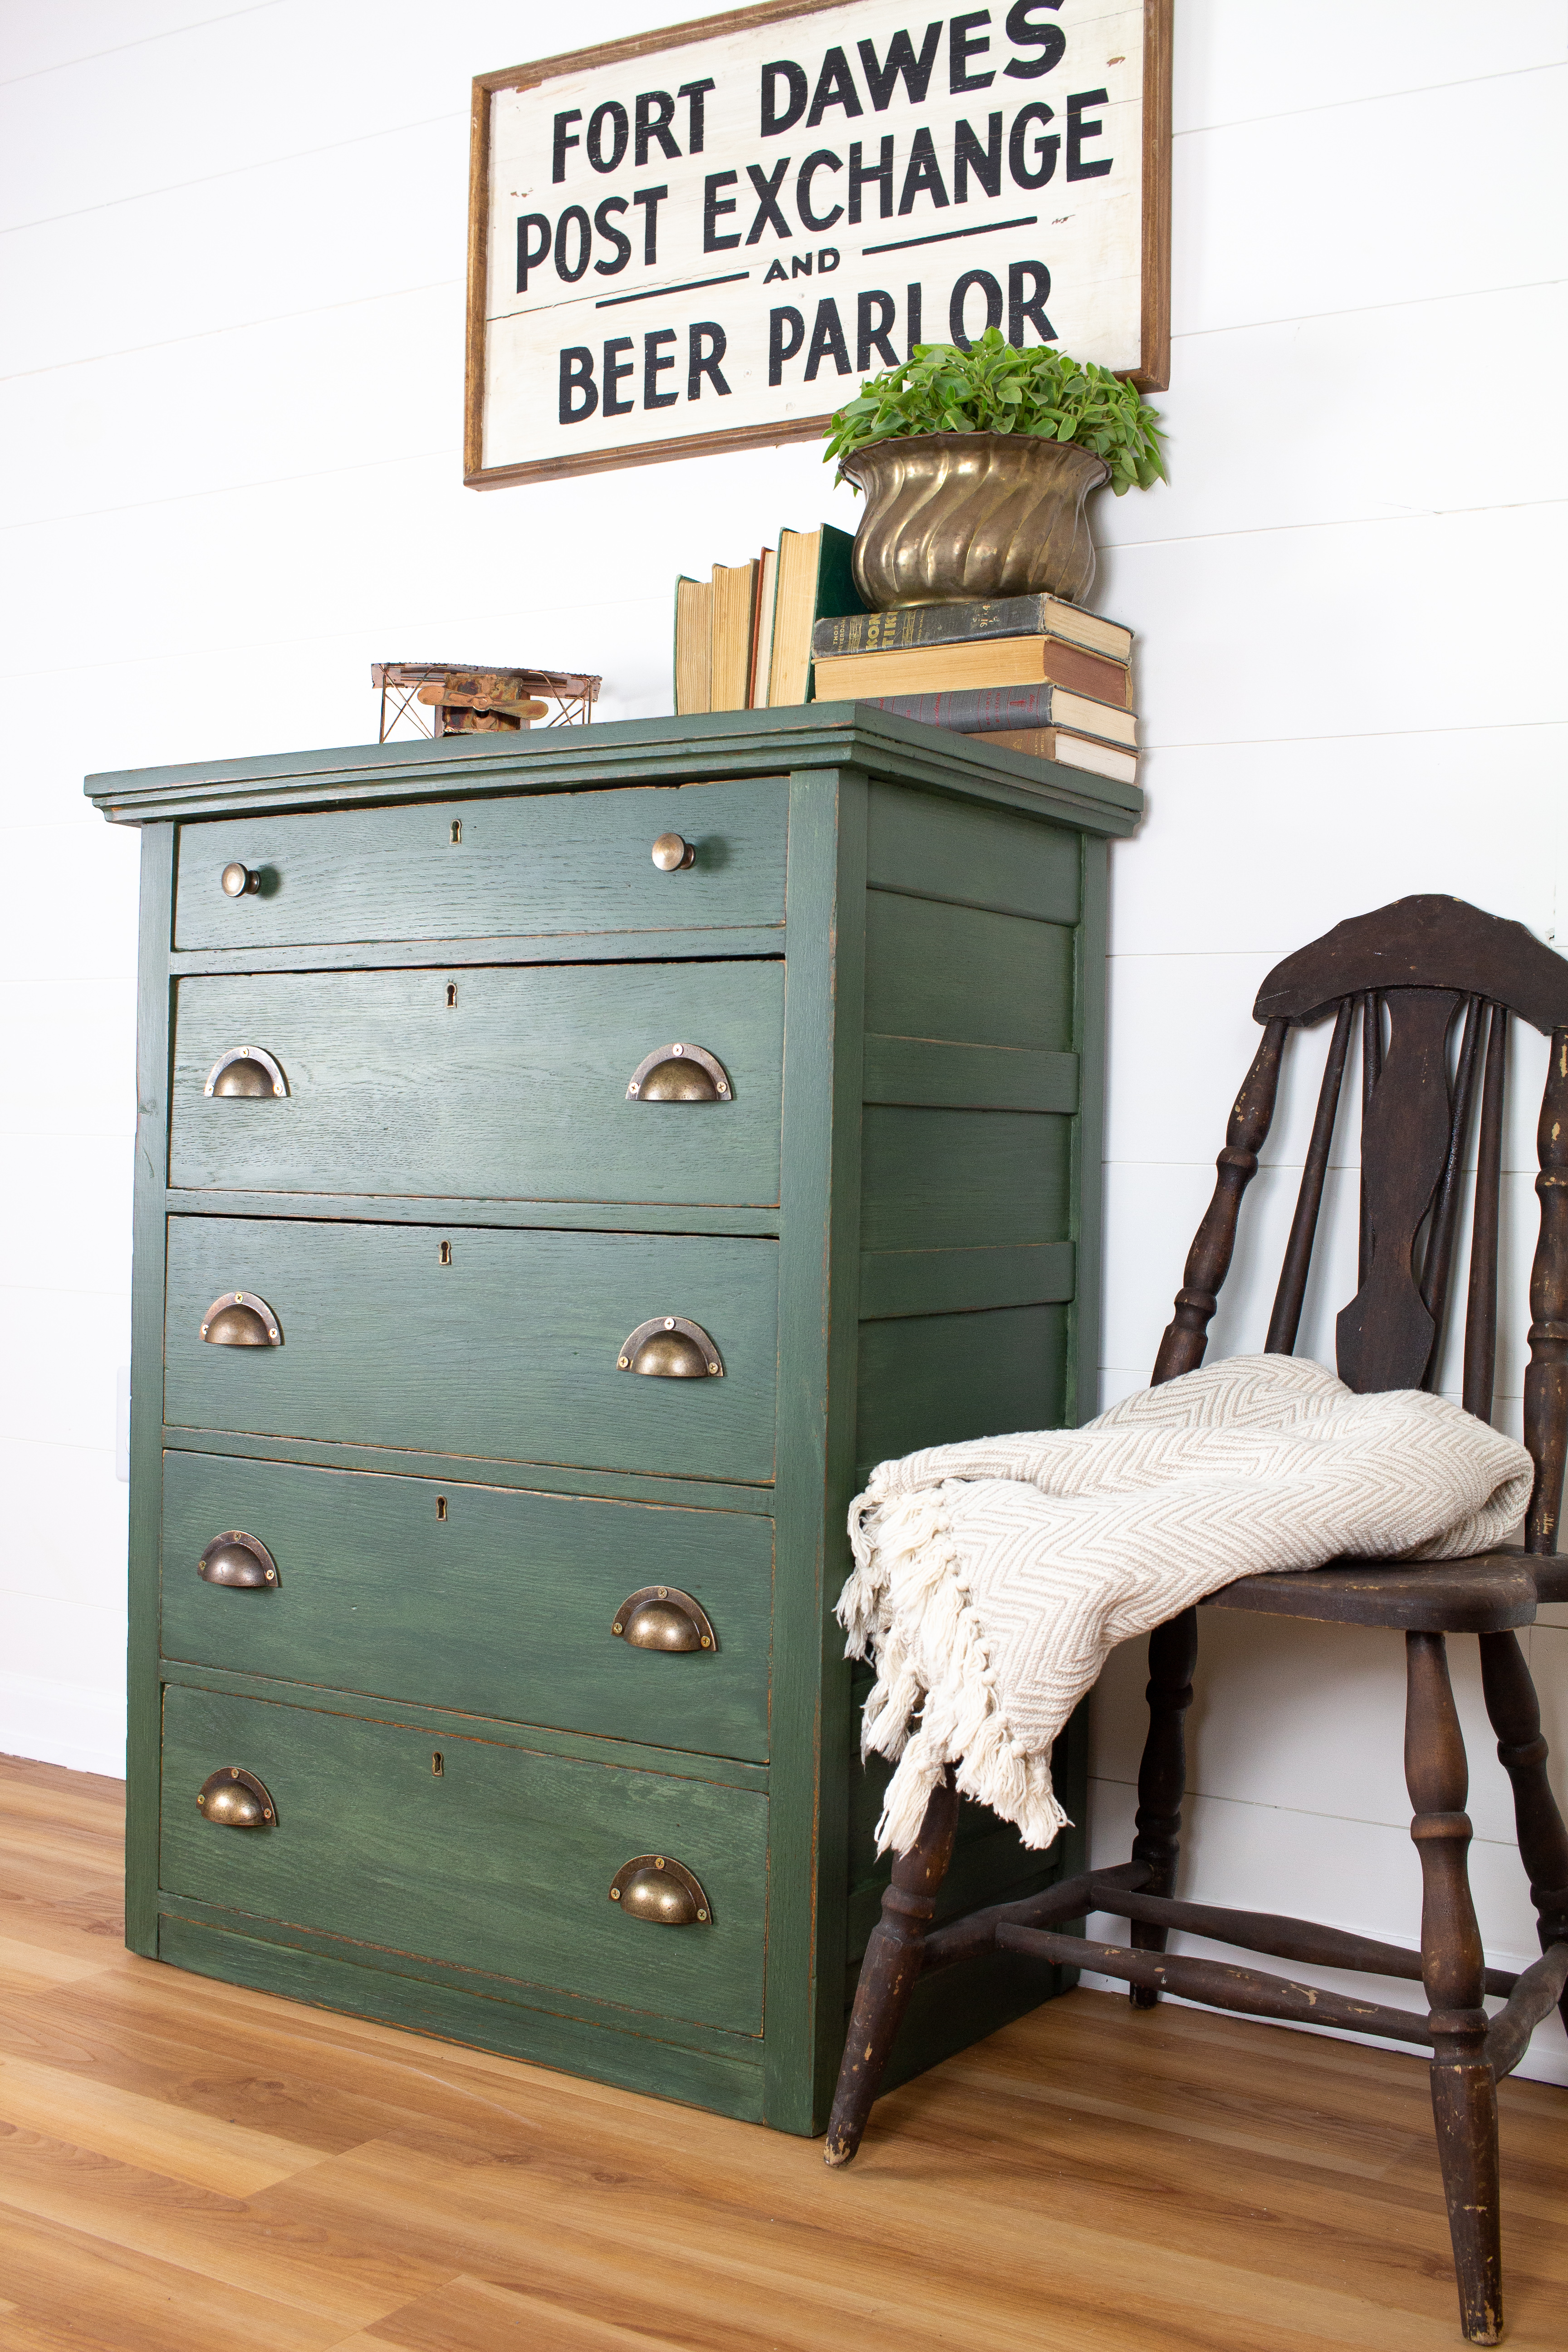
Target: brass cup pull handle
<point>668,1347</point>
<point>672,855</point>
<point>239,1318</point>
<point>660,1617</point>
<point>238,1559</point>
<point>678,1074</point>
<point>245,1070</point>
<point>239,881</point>
<point>658,1888</point>
<point>237,1799</point>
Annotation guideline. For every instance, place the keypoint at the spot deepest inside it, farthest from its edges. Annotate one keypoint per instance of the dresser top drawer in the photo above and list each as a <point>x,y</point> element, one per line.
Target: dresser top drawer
<point>538,867</point>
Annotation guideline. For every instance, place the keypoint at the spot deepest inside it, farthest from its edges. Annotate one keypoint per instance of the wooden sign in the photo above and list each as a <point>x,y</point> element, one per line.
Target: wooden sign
<point>706,235</point>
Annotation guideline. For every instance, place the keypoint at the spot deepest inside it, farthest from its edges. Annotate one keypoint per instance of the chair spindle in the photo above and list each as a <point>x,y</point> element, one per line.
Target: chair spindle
<point>1370,1071</point>
<point>1546,1380</point>
<point>1437,1263</point>
<point>1480,1313</point>
<point>1186,1334</point>
<point>1285,1321</point>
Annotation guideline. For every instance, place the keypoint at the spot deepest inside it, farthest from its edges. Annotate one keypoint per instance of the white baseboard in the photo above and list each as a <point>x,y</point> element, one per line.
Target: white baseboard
<point>63,1723</point>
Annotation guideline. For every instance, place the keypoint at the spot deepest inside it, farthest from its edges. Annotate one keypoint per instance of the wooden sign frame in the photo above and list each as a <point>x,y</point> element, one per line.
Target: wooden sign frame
<point>1150,375</point>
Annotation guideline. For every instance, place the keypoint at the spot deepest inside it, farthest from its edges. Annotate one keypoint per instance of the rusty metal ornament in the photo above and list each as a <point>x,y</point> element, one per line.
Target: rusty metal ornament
<point>662,1617</point>
<point>240,1560</point>
<point>236,1799</point>
<point>658,1888</point>
<point>678,1074</point>
<point>247,1071</point>
<point>239,1318</point>
<point>668,1347</point>
<point>953,518</point>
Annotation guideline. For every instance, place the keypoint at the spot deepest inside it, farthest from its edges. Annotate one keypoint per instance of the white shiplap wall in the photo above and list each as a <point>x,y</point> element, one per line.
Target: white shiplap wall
<point>230,283</point>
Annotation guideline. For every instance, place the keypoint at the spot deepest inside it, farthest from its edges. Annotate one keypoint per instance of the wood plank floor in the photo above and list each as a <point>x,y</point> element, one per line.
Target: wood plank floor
<point>186,2167</point>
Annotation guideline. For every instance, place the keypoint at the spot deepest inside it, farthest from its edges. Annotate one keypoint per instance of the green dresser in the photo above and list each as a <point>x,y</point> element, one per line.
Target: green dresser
<point>565,1164</point>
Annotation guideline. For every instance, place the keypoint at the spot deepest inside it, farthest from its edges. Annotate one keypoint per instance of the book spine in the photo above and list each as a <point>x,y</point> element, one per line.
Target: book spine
<point>1025,663</point>
<point>973,709</point>
<point>944,625</point>
<point>1067,750</point>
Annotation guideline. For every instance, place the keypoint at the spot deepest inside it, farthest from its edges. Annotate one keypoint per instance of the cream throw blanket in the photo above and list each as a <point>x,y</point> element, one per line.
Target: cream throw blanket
<point>991,1577</point>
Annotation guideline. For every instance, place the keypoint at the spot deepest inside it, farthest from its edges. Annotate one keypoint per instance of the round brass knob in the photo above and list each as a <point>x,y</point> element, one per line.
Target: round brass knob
<point>238,880</point>
<point>670,853</point>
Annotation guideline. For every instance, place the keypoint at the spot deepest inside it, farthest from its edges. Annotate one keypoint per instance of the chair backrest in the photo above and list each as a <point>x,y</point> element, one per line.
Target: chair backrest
<point>1410,971</point>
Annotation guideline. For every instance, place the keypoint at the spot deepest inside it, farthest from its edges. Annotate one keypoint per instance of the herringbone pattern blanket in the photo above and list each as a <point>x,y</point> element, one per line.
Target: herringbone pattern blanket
<point>991,1577</point>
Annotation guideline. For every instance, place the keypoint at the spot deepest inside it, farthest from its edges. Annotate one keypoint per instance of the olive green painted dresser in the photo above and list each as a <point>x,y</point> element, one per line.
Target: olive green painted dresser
<point>566,1162</point>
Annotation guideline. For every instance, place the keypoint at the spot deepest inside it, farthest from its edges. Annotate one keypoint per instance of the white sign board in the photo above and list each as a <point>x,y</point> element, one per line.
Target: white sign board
<point>706,236</point>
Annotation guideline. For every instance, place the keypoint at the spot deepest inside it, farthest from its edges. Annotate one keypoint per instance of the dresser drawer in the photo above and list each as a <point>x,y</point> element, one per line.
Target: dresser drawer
<point>530,868</point>
<point>499,1084</point>
<point>477,1598</point>
<point>500,1862</point>
<point>511,1351</point>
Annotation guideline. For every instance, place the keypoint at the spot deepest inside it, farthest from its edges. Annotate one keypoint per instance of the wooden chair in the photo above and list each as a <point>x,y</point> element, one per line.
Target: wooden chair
<point>1413,970</point>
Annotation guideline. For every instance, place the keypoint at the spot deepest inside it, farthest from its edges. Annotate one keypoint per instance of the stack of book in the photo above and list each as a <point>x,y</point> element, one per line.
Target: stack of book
<point>1028,672</point>
<point>742,639</point>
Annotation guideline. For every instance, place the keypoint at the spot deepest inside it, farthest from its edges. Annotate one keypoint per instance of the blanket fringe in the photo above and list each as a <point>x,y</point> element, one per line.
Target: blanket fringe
<point>912,1575</point>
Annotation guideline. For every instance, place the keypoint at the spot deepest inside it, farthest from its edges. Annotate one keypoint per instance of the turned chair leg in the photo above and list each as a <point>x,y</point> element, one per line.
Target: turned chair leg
<point>1453,1969</point>
<point>889,1970</point>
<point>1162,1774</point>
<point>1515,1714</point>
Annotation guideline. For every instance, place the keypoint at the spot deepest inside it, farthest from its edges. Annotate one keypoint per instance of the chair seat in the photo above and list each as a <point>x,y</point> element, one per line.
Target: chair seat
<point>1489,1593</point>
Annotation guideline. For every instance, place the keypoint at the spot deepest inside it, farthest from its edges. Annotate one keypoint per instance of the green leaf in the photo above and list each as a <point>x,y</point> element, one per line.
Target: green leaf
<point>994,387</point>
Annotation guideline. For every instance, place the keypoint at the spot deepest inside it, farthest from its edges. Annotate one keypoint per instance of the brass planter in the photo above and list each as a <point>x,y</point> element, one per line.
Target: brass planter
<point>954,517</point>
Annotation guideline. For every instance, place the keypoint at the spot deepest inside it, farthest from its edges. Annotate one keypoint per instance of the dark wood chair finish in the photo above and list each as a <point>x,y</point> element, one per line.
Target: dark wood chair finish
<point>1405,975</point>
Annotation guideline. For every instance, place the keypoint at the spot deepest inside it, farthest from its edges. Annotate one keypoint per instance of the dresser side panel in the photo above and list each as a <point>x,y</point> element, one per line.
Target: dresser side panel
<point>1089,1130</point>
<point>980,954</point>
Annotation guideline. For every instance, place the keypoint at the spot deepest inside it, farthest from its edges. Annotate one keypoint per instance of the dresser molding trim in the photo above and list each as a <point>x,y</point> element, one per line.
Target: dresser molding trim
<point>473,1470</point>
<point>375,1707</point>
<point>712,747</point>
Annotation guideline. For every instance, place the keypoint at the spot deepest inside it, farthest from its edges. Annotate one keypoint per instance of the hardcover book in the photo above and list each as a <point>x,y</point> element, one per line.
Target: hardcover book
<point>978,662</point>
<point>1068,751</point>
<point>983,710</point>
<point>850,632</point>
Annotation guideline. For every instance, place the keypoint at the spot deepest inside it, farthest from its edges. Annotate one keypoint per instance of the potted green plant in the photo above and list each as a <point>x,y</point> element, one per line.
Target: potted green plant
<point>976,466</point>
